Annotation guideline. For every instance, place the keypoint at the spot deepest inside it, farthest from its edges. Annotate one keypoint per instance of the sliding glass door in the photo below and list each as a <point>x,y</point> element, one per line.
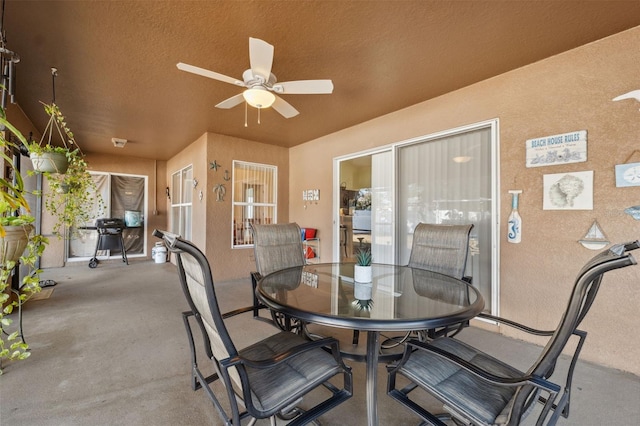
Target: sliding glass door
<point>448,178</point>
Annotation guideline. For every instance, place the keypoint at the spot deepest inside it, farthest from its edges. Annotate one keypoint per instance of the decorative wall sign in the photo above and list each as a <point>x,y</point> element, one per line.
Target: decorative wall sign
<point>568,191</point>
<point>627,175</point>
<point>311,195</point>
<point>557,149</point>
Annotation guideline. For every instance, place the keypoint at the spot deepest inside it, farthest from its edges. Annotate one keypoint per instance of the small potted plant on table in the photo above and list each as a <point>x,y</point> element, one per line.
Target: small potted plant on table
<point>362,268</point>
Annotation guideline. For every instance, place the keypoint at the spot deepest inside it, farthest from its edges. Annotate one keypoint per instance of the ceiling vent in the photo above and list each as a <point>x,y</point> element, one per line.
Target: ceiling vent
<point>119,143</point>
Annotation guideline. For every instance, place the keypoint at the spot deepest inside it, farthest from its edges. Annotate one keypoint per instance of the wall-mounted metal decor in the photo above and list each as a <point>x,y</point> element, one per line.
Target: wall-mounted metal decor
<point>633,211</point>
<point>220,191</point>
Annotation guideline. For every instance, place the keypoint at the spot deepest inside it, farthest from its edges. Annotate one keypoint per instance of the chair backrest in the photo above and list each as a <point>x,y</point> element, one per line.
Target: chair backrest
<point>440,248</point>
<point>584,291</point>
<point>277,246</point>
<point>197,284</point>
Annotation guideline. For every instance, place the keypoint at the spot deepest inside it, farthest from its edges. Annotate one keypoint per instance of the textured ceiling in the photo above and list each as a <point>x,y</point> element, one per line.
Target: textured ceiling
<point>117,74</point>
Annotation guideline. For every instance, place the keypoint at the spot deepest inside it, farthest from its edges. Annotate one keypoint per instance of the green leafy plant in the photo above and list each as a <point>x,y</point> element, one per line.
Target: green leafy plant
<point>363,257</point>
<point>73,197</point>
<point>15,212</point>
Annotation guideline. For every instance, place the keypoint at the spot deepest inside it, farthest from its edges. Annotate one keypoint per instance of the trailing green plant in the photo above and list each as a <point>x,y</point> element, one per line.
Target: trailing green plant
<point>363,257</point>
<point>15,211</point>
<point>73,197</point>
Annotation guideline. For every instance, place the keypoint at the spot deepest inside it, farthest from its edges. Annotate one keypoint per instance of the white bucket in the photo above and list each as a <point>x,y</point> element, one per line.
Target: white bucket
<point>160,255</point>
<point>154,248</point>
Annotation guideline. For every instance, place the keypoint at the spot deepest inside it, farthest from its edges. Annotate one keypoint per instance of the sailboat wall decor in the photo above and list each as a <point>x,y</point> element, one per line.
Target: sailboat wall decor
<point>595,238</point>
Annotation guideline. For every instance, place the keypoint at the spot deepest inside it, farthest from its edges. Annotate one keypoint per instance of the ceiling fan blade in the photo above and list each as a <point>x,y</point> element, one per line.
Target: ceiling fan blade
<point>260,57</point>
<point>210,74</point>
<point>231,102</point>
<point>304,87</point>
<point>284,108</point>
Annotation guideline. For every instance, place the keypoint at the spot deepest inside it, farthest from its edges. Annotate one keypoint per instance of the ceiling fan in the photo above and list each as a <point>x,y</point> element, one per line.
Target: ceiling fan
<point>261,84</point>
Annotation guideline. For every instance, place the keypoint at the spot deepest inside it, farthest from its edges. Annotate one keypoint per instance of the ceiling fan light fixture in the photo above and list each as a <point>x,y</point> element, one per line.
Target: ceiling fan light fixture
<point>259,97</point>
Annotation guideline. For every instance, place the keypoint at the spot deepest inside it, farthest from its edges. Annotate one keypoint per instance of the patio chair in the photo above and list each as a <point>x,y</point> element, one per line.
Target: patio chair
<point>265,379</point>
<point>276,247</point>
<point>476,388</point>
<point>443,249</point>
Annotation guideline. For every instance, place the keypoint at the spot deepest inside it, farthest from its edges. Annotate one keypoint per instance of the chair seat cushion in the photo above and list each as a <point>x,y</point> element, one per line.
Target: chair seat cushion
<point>272,386</point>
<point>458,389</point>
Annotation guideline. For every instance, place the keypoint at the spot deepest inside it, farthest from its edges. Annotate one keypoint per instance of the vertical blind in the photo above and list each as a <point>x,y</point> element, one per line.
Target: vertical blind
<point>254,199</point>
<point>448,181</point>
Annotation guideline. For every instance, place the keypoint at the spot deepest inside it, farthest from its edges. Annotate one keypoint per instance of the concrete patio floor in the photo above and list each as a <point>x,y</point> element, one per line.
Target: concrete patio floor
<point>109,348</point>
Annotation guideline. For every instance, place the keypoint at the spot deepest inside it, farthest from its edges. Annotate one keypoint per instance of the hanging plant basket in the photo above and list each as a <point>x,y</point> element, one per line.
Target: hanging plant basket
<point>49,162</point>
<point>14,242</point>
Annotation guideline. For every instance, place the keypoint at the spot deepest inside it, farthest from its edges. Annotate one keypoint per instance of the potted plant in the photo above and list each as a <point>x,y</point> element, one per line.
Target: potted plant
<point>73,197</point>
<point>47,157</point>
<point>16,234</point>
<point>362,268</point>
<point>362,277</point>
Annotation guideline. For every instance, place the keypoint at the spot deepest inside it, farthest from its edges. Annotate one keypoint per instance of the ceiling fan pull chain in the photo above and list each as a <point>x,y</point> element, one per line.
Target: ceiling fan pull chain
<point>259,115</point>
<point>245,115</point>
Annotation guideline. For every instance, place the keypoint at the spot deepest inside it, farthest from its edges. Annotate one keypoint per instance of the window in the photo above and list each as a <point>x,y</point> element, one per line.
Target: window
<point>181,198</point>
<point>254,199</point>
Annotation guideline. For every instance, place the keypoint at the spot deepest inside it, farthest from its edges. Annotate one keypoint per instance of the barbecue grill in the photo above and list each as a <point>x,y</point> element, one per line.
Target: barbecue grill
<point>109,238</point>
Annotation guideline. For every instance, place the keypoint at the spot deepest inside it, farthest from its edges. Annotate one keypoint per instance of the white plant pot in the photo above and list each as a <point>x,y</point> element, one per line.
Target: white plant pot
<point>362,291</point>
<point>50,162</point>
<point>14,242</point>
<point>362,274</point>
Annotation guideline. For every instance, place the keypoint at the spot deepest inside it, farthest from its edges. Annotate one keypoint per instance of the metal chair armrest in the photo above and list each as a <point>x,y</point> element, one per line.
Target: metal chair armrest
<point>516,325</point>
<point>280,357</point>
<point>536,381</point>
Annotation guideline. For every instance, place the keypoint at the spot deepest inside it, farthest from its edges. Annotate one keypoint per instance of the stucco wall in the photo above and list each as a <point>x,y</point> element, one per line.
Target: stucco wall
<point>211,218</point>
<point>568,92</point>
<point>228,263</point>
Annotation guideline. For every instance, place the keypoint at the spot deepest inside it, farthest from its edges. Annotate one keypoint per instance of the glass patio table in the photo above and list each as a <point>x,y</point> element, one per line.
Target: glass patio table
<point>399,298</point>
